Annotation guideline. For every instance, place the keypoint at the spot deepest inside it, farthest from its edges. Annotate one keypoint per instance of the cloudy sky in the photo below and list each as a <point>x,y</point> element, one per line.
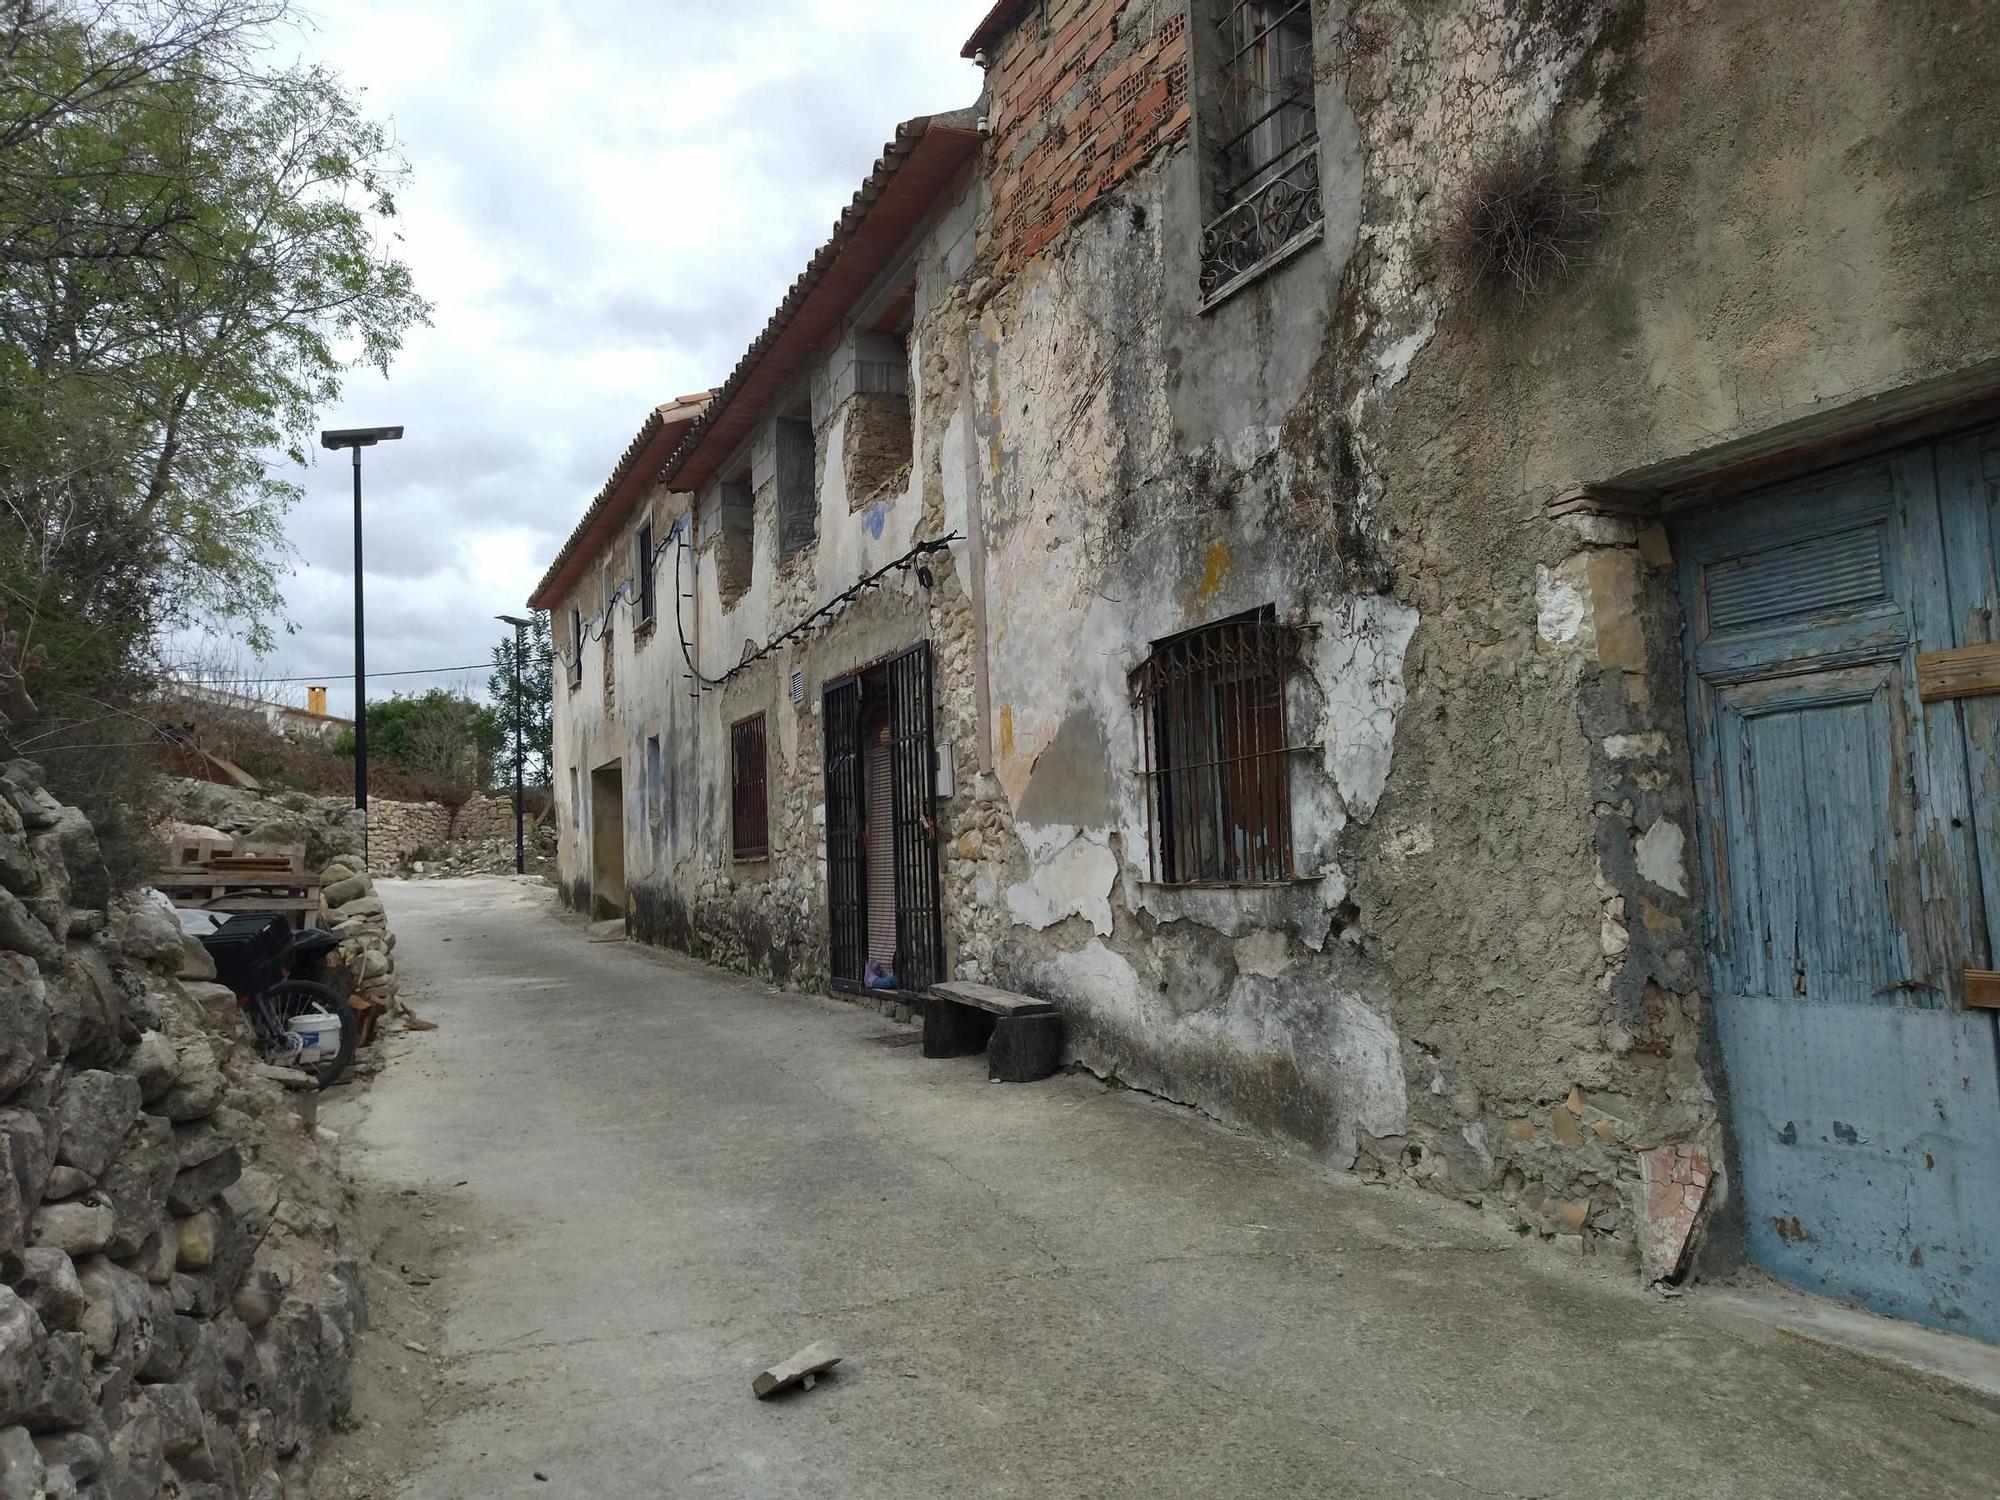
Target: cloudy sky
<point>609,198</point>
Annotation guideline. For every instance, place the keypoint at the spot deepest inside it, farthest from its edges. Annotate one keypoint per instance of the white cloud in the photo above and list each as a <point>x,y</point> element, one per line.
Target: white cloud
<point>609,200</point>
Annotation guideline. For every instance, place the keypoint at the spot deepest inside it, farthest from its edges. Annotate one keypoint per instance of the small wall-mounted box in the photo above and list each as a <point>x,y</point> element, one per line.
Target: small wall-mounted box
<point>947,770</point>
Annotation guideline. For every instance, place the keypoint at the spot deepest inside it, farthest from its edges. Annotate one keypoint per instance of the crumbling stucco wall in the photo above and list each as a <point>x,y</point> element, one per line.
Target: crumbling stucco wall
<point>1495,986</point>
<point>1780,230</point>
<point>1488,979</point>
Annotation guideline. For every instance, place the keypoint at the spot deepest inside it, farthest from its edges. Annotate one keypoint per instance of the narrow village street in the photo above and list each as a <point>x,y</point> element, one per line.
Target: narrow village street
<point>667,1177</point>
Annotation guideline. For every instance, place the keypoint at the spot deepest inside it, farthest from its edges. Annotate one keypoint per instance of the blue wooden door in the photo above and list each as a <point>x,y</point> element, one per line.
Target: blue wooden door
<point>1851,854</point>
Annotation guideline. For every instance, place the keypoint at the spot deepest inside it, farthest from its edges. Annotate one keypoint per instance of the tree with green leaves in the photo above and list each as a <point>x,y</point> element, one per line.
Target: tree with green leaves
<point>537,706</point>
<point>438,733</point>
<point>196,249</point>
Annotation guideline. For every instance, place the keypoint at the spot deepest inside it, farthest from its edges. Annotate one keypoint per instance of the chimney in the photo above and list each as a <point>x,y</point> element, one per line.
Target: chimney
<point>316,699</point>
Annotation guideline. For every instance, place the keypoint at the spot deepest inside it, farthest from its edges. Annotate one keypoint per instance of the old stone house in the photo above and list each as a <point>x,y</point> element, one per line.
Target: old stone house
<point>1424,567</point>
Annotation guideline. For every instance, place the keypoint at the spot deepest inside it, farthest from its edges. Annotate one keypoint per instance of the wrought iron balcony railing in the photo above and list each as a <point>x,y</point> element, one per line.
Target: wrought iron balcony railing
<point>1264,226</point>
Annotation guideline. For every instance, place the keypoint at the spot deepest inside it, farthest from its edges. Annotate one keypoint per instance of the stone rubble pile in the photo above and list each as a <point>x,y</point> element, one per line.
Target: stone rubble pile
<point>330,828</point>
<point>175,1308</point>
<point>491,856</point>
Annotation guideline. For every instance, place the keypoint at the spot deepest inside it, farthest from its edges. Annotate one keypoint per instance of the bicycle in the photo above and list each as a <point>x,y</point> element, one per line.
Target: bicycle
<point>295,1022</point>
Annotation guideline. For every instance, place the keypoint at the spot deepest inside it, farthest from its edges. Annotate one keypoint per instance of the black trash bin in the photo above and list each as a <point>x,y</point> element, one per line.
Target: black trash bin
<point>249,950</point>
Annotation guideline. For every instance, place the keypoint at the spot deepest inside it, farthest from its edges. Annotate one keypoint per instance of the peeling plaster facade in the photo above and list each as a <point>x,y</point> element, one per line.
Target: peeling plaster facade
<point>1488,978</point>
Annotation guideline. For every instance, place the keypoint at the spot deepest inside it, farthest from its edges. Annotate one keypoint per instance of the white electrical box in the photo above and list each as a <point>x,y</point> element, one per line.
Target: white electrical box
<point>947,776</point>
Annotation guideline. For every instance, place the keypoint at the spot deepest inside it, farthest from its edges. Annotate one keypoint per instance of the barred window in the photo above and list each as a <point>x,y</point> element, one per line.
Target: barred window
<point>1211,706</point>
<point>749,809</point>
<point>575,646</point>
<point>1265,141</point>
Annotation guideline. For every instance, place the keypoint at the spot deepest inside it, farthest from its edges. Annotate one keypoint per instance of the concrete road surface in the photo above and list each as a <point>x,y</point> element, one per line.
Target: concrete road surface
<point>675,1177</point>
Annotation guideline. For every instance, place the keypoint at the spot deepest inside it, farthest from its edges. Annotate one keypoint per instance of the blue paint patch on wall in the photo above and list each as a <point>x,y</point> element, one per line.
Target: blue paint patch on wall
<point>875,518</point>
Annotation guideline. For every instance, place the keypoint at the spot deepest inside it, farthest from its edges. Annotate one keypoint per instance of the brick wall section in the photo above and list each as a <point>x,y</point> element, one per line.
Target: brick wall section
<point>1077,107</point>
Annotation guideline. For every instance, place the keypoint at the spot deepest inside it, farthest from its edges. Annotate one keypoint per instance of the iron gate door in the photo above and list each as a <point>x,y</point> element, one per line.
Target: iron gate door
<point>913,787</point>
<point>845,873</point>
<point>1848,844</point>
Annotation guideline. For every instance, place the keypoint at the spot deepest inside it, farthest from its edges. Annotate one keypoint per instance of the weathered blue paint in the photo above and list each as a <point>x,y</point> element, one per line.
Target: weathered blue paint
<point>875,518</point>
<point>1851,849</point>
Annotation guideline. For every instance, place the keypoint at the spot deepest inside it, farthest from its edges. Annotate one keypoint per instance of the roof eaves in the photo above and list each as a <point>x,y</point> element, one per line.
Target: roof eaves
<point>990,30</point>
<point>909,136</point>
<point>680,412</point>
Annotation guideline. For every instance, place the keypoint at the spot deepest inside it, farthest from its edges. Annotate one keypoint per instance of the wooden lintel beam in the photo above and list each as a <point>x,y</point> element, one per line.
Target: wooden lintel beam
<point>1602,500</point>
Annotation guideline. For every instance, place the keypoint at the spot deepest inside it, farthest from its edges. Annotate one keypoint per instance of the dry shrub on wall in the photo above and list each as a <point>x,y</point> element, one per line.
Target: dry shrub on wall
<point>1523,225</point>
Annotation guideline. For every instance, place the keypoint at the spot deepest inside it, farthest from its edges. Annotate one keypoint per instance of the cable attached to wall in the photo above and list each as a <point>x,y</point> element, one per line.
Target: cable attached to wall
<point>911,559</point>
<point>598,625</point>
<point>687,651</point>
<point>678,536</point>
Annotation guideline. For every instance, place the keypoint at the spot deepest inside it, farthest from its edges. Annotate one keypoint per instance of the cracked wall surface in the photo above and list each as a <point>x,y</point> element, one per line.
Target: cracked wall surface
<point>1487,979</point>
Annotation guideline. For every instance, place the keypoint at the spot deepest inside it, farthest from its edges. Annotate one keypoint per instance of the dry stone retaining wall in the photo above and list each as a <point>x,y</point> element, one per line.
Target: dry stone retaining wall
<point>398,834</point>
<point>403,833</point>
<point>175,1307</point>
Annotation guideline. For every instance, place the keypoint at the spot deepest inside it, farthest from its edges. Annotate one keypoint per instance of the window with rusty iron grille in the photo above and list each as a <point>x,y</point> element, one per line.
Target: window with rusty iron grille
<point>1266,141</point>
<point>575,647</point>
<point>749,809</point>
<point>1211,706</point>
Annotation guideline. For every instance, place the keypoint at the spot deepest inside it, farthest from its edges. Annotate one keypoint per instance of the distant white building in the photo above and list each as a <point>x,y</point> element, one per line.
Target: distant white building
<point>312,722</point>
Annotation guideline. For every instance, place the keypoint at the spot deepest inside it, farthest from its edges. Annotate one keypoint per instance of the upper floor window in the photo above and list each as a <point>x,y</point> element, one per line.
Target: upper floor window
<point>575,646</point>
<point>642,565</point>
<point>798,501</point>
<point>1264,150</point>
<point>724,526</point>
<point>878,440</point>
<point>1211,705</point>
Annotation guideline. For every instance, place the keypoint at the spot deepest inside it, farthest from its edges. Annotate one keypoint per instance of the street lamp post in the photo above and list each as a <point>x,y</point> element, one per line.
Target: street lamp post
<point>520,732</point>
<point>357,438</point>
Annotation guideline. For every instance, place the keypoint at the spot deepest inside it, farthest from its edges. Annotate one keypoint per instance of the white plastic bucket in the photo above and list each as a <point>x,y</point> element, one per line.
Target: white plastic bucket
<point>317,1037</point>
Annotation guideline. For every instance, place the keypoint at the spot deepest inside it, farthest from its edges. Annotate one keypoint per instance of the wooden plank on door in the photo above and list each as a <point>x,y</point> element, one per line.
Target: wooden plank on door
<point>1961,672</point>
<point>1982,989</point>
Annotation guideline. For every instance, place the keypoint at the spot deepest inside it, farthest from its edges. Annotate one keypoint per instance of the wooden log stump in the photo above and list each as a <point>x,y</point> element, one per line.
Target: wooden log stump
<point>954,1030</point>
<point>1024,1048</point>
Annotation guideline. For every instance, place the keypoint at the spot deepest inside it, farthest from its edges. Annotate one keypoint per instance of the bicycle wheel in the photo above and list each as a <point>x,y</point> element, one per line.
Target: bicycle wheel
<point>292,998</point>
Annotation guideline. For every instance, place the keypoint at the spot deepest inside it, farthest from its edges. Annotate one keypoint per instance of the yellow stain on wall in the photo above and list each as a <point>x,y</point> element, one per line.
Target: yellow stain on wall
<point>1213,571</point>
<point>1007,729</point>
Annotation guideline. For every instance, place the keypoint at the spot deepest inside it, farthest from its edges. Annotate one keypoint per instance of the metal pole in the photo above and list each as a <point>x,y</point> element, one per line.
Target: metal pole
<point>520,841</point>
<point>360,668</point>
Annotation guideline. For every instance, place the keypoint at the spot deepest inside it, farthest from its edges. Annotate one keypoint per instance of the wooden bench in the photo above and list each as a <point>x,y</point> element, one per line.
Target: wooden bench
<point>1021,1036</point>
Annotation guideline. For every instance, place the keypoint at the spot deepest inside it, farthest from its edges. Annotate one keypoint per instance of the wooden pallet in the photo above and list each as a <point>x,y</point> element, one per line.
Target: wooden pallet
<point>220,854</point>
<point>223,875</point>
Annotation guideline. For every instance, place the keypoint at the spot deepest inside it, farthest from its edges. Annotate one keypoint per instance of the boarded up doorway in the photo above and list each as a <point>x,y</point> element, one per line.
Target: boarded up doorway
<point>607,842</point>
<point>1851,847</point>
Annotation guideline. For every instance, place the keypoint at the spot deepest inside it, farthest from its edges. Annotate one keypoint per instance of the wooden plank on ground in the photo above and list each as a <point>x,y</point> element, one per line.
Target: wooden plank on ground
<point>801,1369</point>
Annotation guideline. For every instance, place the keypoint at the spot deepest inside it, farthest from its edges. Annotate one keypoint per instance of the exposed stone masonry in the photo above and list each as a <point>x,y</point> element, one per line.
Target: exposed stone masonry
<point>177,1309</point>
<point>402,832</point>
